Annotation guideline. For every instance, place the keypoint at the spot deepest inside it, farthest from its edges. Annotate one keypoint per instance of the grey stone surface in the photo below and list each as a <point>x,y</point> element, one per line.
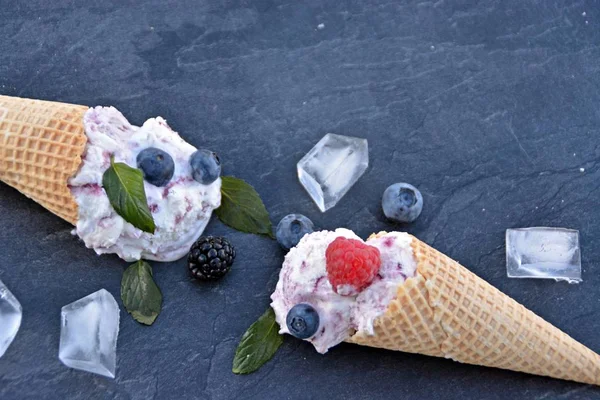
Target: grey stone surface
<point>489,107</point>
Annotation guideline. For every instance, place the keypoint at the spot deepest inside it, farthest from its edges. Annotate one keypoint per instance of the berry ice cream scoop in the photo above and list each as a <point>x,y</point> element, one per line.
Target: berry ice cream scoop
<point>57,154</point>
<point>346,281</point>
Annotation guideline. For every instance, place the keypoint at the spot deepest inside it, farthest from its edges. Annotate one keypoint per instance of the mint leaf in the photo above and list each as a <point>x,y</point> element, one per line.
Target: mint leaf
<point>141,297</point>
<point>258,345</point>
<point>242,209</point>
<point>124,187</point>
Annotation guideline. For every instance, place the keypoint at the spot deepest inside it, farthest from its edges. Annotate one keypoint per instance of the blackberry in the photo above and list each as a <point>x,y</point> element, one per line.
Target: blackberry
<point>210,258</point>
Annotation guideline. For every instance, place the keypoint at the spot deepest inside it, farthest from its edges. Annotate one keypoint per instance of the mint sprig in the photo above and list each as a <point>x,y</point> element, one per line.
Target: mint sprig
<point>141,297</point>
<point>124,187</point>
<point>258,345</point>
<point>242,209</point>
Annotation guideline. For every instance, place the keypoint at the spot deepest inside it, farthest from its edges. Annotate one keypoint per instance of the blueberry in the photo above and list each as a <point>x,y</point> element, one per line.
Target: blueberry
<point>302,321</point>
<point>156,165</point>
<point>292,228</point>
<point>206,166</point>
<point>402,202</point>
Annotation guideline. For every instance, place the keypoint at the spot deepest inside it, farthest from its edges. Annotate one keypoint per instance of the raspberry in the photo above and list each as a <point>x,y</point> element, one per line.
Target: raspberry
<point>351,265</point>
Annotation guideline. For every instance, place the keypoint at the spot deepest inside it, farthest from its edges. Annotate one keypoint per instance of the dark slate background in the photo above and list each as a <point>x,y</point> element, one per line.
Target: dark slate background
<point>491,108</point>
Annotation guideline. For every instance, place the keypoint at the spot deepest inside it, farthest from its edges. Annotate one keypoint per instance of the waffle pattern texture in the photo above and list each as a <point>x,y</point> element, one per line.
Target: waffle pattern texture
<point>41,144</point>
<point>447,311</point>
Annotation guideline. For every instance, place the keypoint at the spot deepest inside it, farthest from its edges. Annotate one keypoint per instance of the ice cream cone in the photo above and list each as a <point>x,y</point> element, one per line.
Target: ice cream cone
<point>447,311</point>
<point>41,144</point>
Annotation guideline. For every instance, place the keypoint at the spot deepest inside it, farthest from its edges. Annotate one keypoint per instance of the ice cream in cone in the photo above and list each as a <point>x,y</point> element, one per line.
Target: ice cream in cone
<point>57,153</point>
<point>422,301</point>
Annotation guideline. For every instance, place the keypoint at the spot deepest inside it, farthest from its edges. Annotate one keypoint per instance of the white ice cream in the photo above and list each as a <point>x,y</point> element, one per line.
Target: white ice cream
<point>181,209</point>
<point>303,279</point>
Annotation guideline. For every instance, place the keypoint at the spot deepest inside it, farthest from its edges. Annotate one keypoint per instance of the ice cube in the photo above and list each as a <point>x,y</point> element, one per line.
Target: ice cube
<point>10,317</point>
<point>547,253</point>
<point>332,167</point>
<point>88,335</point>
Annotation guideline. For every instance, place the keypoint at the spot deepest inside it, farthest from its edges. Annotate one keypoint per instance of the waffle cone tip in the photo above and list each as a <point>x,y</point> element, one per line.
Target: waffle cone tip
<point>41,148</point>
<point>447,311</point>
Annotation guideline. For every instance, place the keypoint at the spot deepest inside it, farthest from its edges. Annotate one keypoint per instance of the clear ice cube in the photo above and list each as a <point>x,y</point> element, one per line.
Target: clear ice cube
<point>88,335</point>
<point>10,318</point>
<point>547,253</point>
<point>332,167</point>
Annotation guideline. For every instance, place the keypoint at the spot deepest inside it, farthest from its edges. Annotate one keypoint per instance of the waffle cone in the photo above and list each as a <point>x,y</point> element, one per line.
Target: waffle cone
<point>41,144</point>
<point>447,311</point>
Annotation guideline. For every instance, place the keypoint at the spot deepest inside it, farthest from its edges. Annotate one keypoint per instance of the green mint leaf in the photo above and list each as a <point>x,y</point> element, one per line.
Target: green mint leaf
<point>258,345</point>
<point>141,297</point>
<point>242,209</point>
<point>124,187</point>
